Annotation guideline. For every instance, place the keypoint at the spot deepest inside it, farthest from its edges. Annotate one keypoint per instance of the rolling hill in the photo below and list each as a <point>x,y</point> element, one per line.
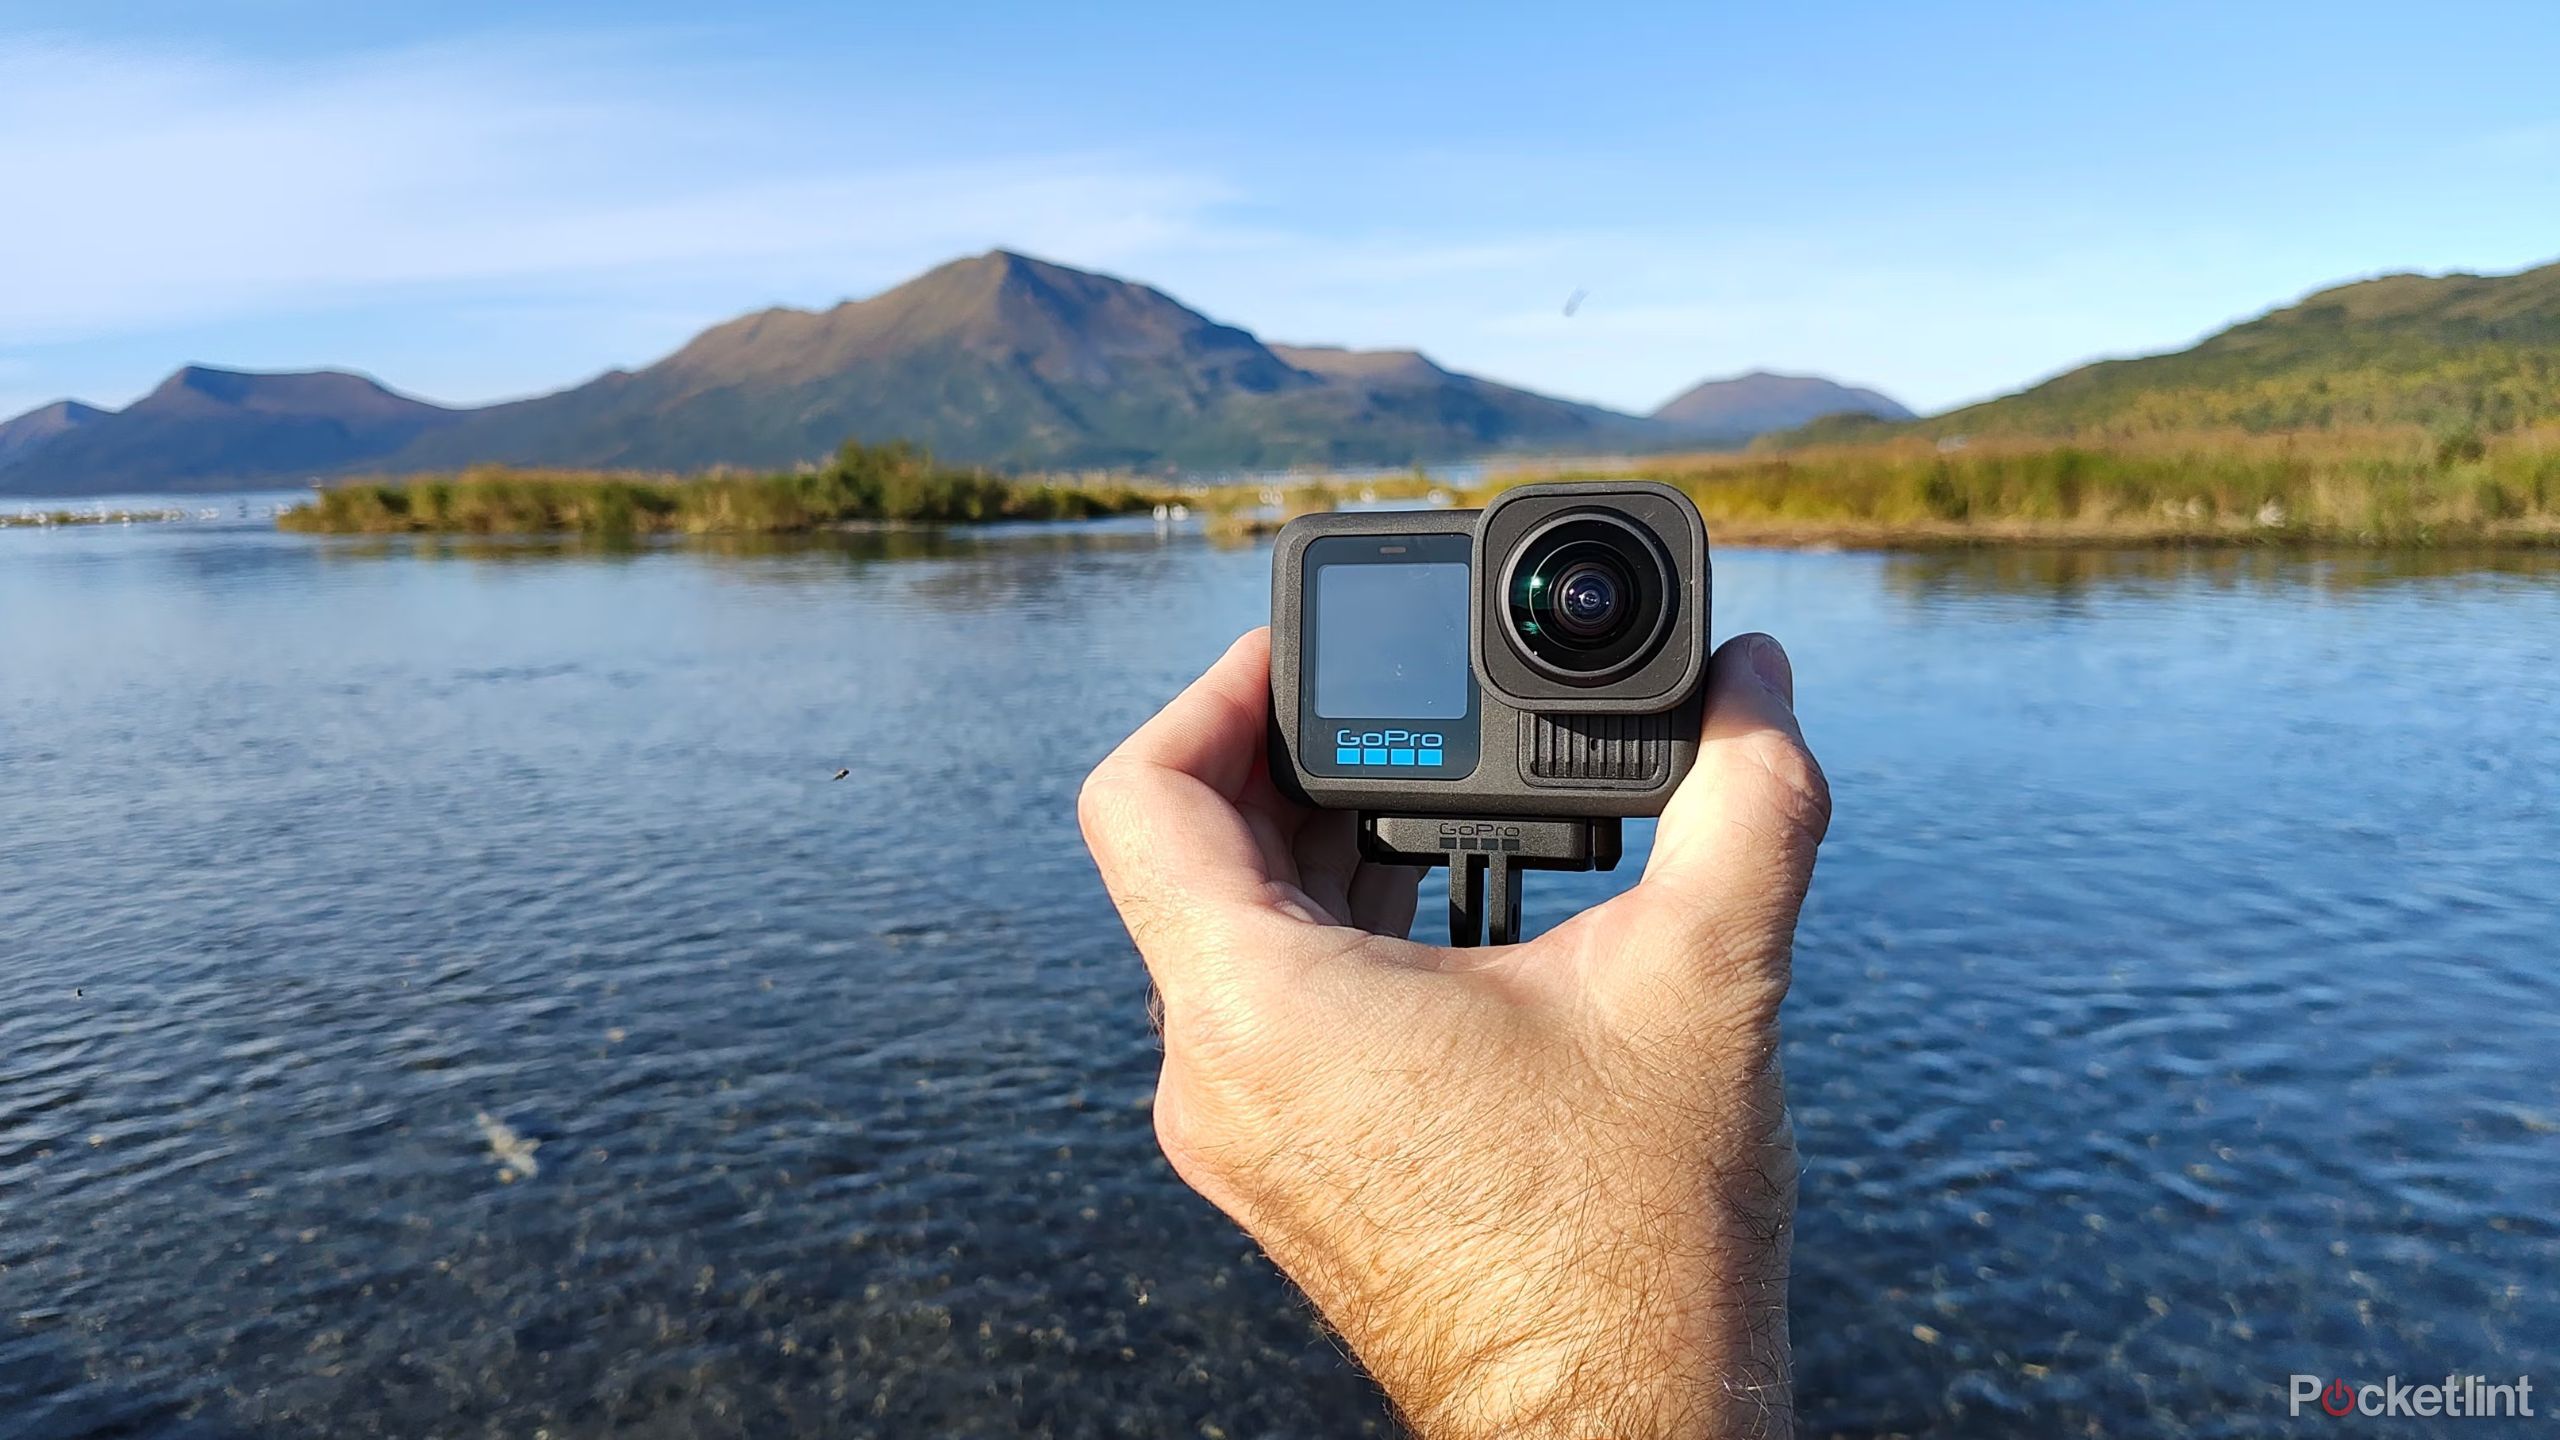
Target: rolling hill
<point>205,429</point>
<point>2463,351</point>
<point>1737,409</point>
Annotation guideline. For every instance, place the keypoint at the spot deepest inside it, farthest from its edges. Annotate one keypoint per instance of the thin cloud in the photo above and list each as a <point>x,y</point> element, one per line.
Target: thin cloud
<point>181,189</point>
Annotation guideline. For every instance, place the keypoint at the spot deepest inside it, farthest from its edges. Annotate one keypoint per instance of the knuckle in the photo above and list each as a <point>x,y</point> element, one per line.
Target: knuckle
<point>1187,1147</point>
<point>1102,805</point>
<point>1177,1132</point>
<point>1216,1112</point>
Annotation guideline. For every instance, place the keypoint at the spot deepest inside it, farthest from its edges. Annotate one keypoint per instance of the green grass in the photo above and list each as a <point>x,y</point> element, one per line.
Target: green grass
<point>883,483</point>
<point>2404,486</point>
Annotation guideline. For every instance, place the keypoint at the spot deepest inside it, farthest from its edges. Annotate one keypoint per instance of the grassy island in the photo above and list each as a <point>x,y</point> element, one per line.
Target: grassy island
<point>862,484</point>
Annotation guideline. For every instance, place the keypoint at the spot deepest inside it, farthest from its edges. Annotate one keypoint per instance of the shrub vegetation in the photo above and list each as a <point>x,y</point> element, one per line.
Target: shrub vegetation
<point>2401,485</point>
<point>894,482</point>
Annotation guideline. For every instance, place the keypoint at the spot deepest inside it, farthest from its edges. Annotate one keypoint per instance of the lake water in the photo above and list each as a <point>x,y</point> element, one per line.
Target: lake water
<point>2176,1009</point>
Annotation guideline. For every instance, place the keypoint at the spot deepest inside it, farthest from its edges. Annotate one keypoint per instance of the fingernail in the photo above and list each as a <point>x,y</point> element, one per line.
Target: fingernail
<point>1769,662</point>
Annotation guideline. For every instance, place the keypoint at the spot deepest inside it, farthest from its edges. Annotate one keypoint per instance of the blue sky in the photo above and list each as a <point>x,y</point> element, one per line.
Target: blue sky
<point>473,201</point>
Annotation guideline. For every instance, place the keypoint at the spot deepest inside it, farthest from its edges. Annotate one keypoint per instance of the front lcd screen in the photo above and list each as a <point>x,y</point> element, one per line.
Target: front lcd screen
<point>1391,641</point>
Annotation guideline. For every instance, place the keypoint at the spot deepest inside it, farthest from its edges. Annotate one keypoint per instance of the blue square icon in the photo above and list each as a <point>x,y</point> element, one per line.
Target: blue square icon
<point>1426,757</point>
<point>1373,757</point>
<point>1399,757</point>
<point>1346,755</point>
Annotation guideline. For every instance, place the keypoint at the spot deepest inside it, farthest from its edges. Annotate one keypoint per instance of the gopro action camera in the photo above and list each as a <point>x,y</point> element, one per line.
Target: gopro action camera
<point>1465,678</point>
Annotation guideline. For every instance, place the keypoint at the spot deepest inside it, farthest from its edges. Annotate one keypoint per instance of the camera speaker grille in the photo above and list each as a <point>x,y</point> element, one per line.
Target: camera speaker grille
<point>1606,750</point>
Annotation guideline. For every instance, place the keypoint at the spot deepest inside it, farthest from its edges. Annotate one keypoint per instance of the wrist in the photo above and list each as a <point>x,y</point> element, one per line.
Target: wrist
<point>1623,1377</point>
<point>1630,1334</point>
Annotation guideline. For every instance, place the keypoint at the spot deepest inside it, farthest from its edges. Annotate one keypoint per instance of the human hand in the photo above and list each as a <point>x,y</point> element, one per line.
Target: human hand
<point>1540,1189</point>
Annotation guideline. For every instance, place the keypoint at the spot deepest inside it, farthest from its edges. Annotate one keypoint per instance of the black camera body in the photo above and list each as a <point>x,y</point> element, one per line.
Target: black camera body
<point>1542,658</point>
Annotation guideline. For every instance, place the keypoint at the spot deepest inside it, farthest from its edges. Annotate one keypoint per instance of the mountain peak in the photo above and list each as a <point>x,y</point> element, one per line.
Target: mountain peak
<point>1014,262</point>
<point>993,274</point>
<point>65,412</point>
<point>42,426</point>
<point>1047,324</point>
<point>197,388</point>
<point>985,266</point>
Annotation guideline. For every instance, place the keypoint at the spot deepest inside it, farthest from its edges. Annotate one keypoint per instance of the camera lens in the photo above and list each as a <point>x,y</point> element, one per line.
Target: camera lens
<point>1589,596</point>
<point>1588,599</point>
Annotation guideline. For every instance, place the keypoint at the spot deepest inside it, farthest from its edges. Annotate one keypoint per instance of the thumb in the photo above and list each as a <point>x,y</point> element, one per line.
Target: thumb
<point>1734,850</point>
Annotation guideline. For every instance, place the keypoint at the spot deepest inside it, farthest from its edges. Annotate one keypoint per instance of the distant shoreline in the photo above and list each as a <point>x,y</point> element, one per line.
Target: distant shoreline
<point>2384,488</point>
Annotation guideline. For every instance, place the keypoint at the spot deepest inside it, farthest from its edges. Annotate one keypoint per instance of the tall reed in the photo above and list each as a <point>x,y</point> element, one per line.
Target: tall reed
<point>893,482</point>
